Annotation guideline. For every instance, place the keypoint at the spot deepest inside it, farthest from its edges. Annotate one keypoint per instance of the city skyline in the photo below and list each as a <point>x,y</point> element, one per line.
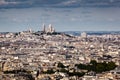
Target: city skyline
<point>64,15</point>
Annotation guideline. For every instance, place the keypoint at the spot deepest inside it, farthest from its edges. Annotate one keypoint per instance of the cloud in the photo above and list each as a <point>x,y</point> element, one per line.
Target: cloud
<point>70,2</point>
<point>3,2</point>
<point>58,3</point>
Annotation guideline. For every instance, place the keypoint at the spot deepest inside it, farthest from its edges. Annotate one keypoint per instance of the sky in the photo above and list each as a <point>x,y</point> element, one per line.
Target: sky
<point>64,15</point>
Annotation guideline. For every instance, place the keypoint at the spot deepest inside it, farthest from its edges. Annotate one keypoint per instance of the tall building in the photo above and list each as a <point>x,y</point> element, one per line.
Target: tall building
<point>44,28</point>
<point>49,29</point>
<point>84,35</point>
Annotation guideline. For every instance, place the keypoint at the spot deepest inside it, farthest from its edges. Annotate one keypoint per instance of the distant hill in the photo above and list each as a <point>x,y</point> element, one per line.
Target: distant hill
<point>78,33</point>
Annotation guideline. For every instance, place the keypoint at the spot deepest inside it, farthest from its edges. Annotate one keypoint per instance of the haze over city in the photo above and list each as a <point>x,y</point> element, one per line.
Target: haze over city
<point>64,15</point>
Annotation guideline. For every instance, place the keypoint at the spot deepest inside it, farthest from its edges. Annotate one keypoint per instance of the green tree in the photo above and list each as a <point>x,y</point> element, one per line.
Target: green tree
<point>50,71</point>
<point>111,65</point>
<point>64,70</point>
<point>60,65</point>
<point>99,68</point>
<point>81,66</point>
<point>93,62</point>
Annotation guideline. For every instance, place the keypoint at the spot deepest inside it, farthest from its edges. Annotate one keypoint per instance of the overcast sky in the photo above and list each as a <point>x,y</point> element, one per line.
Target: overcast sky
<point>64,15</point>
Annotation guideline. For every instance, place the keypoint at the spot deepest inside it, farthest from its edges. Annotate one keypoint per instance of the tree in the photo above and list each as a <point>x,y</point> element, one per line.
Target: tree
<point>99,68</point>
<point>64,70</point>
<point>60,65</point>
<point>93,62</point>
<point>81,66</point>
<point>111,65</point>
<point>50,71</point>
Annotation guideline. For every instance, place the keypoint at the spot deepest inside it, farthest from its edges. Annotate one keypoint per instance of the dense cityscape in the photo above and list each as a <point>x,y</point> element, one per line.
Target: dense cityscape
<point>52,55</point>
